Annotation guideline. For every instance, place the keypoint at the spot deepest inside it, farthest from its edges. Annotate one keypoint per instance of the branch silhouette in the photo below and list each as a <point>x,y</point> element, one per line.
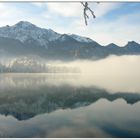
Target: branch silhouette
<point>87,8</point>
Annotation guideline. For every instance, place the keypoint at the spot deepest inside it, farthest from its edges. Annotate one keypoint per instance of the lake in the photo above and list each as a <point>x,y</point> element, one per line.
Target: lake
<point>69,105</point>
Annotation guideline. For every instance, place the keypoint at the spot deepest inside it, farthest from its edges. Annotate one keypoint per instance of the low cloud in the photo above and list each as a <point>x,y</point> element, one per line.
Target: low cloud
<point>115,73</point>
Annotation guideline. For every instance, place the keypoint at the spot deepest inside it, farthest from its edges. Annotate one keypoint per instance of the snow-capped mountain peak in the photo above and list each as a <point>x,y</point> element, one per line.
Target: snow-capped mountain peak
<point>24,30</point>
<point>24,24</point>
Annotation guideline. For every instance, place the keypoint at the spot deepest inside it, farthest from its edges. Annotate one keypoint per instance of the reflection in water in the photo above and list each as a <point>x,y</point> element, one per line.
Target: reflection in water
<point>129,83</point>
<point>102,119</point>
<point>55,106</point>
<point>25,97</point>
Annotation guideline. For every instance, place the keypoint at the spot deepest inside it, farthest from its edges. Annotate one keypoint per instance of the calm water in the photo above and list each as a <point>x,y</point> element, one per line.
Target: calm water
<point>54,105</point>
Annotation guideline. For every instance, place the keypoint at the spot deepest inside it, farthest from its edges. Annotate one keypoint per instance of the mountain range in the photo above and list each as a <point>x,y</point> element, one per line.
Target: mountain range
<point>25,38</point>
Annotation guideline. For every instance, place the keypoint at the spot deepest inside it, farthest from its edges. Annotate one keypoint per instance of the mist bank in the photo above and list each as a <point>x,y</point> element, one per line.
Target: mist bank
<point>33,64</point>
<point>111,66</point>
<point>115,74</point>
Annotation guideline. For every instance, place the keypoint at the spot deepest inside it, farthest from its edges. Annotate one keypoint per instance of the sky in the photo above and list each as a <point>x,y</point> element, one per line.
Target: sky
<point>117,22</point>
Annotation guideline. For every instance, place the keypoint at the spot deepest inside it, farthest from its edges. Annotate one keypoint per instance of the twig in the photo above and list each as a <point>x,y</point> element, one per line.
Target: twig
<point>87,8</point>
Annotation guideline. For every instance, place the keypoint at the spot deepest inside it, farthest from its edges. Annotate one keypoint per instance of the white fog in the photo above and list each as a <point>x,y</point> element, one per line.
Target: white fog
<point>115,74</point>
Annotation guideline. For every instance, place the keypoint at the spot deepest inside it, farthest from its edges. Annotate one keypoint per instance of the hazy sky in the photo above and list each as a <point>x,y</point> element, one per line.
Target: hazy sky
<point>115,22</point>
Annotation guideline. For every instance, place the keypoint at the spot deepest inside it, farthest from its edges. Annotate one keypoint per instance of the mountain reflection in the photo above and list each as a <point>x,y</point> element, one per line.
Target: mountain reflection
<point>26,96</point>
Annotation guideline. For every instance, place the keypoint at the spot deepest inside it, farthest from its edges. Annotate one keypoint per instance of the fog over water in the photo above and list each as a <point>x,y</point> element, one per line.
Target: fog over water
<point>115,73</point>
<point>102,100</point>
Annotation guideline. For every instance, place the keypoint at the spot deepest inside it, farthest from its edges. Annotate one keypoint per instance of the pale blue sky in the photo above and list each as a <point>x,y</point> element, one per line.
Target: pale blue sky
<point>115,22</point>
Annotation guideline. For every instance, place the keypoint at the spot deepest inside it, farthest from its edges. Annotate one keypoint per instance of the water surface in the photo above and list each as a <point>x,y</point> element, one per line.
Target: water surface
<point>67,105</point>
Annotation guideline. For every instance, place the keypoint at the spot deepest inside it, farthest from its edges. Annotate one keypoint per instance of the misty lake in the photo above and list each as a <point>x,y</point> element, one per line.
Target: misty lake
<point>60,105</point>
<point>69,69</point>
<point>102,101</point>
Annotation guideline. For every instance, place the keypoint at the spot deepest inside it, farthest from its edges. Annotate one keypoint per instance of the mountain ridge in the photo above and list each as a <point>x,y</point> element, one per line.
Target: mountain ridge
<point>52,45</point>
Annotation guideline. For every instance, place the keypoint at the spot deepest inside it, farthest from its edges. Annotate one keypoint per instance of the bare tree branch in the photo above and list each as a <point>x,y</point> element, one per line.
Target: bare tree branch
<point>87,8</point>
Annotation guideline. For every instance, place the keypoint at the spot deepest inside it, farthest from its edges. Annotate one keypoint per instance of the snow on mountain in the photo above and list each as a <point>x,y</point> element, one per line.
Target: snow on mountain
<point>66,37</point>
<point>24,30</point>
<point>80,38</point>
<point>59,46</point>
